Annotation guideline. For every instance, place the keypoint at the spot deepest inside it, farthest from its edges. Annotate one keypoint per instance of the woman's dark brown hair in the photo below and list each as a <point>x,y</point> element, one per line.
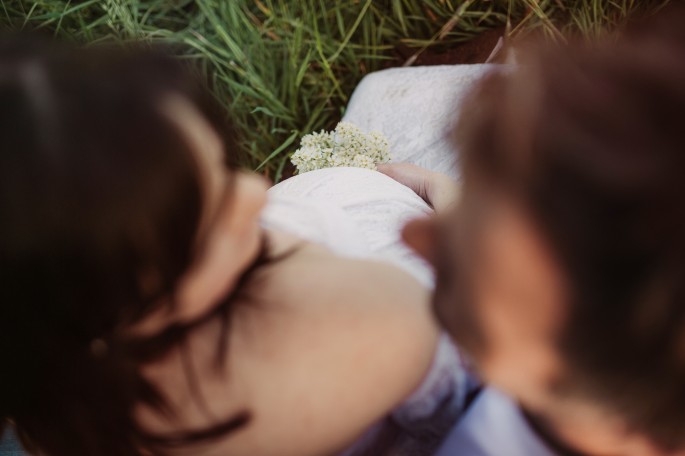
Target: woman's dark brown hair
<point>590,139</point>
<point>97,189</point>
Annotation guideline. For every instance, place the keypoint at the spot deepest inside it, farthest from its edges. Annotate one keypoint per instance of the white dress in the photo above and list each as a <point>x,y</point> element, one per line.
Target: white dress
<point>359,213</point>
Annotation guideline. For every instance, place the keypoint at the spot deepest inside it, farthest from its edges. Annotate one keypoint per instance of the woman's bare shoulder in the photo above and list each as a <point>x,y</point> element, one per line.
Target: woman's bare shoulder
<point>347,341</point>
<point>324,347</point>
<point>324,279</point>
<point>351,306</point>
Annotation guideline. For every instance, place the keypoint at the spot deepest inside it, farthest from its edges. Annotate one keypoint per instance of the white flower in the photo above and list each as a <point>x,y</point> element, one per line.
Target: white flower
<point>362,161</point>
<point>347,145</point>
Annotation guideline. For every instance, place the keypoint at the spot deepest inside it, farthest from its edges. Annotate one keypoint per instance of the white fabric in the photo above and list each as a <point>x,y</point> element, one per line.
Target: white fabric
<point>315,221</point>
<point>415,108</point>
<point>493,426</point>
<point>345,201</point>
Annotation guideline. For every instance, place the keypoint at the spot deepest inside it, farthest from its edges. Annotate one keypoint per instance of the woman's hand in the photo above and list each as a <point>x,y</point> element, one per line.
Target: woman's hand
<point>437,189</point>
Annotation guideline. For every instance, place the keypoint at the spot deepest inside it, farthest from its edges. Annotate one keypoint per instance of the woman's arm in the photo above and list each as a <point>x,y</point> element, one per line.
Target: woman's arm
<point>437,189</point>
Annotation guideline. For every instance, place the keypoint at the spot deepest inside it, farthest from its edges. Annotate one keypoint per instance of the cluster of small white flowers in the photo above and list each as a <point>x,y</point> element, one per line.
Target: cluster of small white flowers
<point>347,145</point>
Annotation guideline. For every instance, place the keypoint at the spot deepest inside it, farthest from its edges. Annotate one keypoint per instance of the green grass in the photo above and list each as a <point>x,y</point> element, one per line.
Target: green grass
<point>283,68</point>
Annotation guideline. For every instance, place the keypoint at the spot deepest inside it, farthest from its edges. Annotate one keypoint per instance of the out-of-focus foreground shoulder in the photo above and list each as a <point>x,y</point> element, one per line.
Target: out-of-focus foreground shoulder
<point>345,340</point>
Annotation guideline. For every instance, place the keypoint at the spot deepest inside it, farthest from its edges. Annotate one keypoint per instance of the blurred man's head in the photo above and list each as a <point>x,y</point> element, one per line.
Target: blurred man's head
<point>562,271</point>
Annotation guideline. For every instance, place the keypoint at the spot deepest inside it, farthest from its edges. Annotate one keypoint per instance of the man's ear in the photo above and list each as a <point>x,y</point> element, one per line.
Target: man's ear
<point>420,234</point>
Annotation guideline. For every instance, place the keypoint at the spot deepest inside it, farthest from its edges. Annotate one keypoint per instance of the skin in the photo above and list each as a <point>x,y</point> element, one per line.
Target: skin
<point>518,295</point>
<point>313,359</point>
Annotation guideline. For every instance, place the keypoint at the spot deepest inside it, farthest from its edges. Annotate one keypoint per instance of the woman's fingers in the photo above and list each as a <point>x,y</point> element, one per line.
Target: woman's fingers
<point>414,177</point>
<point>437,189</point>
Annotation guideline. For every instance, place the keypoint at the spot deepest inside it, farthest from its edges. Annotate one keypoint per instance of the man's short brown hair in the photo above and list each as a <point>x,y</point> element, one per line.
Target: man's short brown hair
<point>591,140</point>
